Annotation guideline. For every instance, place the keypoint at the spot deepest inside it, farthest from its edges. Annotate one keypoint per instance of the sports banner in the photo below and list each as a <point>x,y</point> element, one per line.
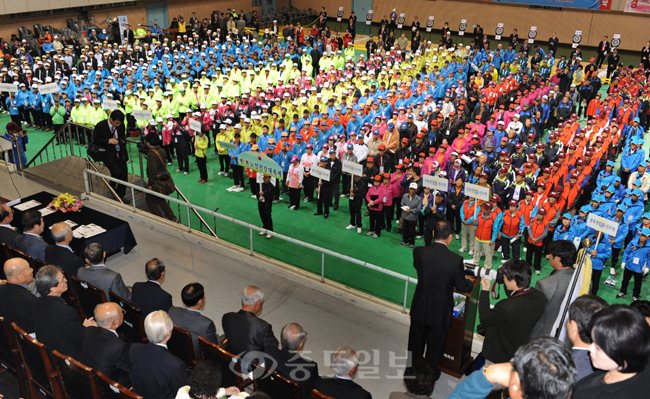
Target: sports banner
<point>584,4</point>
<point>642,7</point>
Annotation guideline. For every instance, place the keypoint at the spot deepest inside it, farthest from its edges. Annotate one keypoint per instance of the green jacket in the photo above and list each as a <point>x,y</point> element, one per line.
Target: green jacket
<point>58,114</point>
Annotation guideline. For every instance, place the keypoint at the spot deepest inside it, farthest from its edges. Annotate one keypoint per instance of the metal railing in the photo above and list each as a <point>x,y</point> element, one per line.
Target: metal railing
<point>251,228</point>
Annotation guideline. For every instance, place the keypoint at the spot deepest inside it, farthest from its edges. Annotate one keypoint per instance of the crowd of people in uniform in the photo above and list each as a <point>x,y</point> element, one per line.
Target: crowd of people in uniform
<point>534,129</point>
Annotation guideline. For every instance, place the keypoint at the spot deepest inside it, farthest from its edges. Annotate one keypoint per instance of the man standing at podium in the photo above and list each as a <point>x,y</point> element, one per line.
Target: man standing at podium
<point>439,271</point>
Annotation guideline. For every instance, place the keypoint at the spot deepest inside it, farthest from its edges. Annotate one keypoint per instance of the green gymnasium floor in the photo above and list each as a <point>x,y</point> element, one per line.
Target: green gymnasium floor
<point>384,251</point>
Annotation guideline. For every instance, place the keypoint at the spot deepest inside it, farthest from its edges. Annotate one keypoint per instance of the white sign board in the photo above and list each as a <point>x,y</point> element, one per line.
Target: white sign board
<point>227,146</point>
<point>533,28</point>
<point>369,17</point>
<point>476,191</point>
<point>141,114</point>
<point>320,173</point>
<point>435,183</point>
<point>195,125</point>
<point>579,32</point>
<point>599,223</point>
<point>463,21</point>
<point>109,104</point>
<point>49,88</point>
<point>352,168</point>
<point>10,87</point>
<point>500,25</point>
<point>401,16</point>
<point>617,36</point>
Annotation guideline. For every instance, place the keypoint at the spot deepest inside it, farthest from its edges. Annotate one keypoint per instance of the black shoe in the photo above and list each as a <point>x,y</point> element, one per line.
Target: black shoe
<point>327,215</point>
<point>336,207</point>
<point>388,229</point>
<point>317,213</point>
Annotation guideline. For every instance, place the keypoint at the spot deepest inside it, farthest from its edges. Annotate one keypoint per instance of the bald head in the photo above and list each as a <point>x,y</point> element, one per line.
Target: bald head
<point>107,315</point>
<point>18,271</point>
<point>61,233</point>
<point>6,214</point>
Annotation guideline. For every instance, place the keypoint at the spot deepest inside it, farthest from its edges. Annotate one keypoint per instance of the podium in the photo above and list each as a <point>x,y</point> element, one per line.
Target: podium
<point>457,356</point>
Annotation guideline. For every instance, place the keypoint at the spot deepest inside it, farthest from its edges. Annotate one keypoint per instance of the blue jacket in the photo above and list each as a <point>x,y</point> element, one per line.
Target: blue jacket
<point>235,153</point>
<point>636,255</point>
<point>21,140</point>
<point>562,234</point>
<point>579,228</point>
<point>476,386</point>
<point>608,208</point>
<point>621,233</point>
<point>603,253</point>
<point>631,161</point>
<point>634,210</point>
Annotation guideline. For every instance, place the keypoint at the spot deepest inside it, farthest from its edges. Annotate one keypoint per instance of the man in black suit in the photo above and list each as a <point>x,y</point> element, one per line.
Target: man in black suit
<point>439,271</point>
<point>478,34</point>
<point>344,364</point>
<point>289,363</point>
<point>191,317</point>
<point>244,330</point>
<point>110,135</point>
<point>581,311</point>
<point>31,242</point>
<point>61,254</point>
<point>149,296</point>
<point>508,325</point>
<point>553,42</point>
<point>102,349</point>
<point>603,48</point>
<point>15,300</point>
<point>56,324</point>
<point>155,372</point>
<point>7,232</point>
<point>612,62</point>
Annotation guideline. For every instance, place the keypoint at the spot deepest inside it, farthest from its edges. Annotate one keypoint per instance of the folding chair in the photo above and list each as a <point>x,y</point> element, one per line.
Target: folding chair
<point>38,368</point>
<point>132,328</point>
<point>88,297</point>
<point>10,357</point>
<point>180,344</point>
<point>110,389</point>
<point>77,380</point>
<point>229,363</point>
<point>16,253</point>
<point>317,395</point>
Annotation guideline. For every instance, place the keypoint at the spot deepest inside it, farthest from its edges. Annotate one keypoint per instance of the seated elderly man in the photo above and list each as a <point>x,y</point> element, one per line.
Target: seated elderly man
<point>31,242</point>
<point>102,349</point>
<point>289,362</point>
<point>344,364</point>
<point>100,276</point>
<point>15,299</point>
<point>156,373</point>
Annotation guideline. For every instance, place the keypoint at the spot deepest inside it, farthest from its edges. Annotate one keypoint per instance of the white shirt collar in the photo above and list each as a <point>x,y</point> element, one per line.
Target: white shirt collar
<point>163,345</point>
<point>65,246</point>
<point>195,310</point>
<point>155,282</point>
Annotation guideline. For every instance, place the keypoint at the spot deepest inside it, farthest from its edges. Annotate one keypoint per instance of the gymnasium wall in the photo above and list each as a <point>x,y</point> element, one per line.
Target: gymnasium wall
<point>137,14</point>
<point>633,28</point>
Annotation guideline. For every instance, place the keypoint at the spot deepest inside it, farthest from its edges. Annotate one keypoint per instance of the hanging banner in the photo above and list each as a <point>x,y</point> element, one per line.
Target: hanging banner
<point>637,6</point>
<point>584,4</point>
<point>124,21</point>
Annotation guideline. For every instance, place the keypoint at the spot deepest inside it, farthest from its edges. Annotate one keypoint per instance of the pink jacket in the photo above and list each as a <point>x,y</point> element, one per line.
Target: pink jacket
<point>295,176</point>
<point>398,190</point>
<point>379,194</point>
<point>461,144</point>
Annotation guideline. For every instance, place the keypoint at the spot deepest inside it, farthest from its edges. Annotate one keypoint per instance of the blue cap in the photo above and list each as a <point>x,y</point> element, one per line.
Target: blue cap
<point>636,119</point>
<point>610,189</point>
<point>332,150</point>
<point>316,129</point>
<point>404,126</point>
<point>567,216</point>
<point>410,116</point>
<point>492,129</point>
<point>618,178</point>
<point>336,118</point>
<point>621,208</point>
<point>644,164</point>
<point>375,132</point>
<point>638,182</point>
<point>430,109</point>
<point>597,198</point>
<point>299,136</point>
<point>585,208</point>
<point>610,163</point>
<point>637,192</point>
<point>323,159</point>
<point>645,232</point>
<point>351,146</point>
<point>421,113</point>
<point>359,135</point>
<point>646,215</point>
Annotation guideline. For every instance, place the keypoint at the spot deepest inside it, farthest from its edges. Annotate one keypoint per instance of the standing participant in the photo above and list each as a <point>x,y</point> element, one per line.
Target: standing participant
<point>376,198</point>
<point>201,153</point>
<point>511,232</point>
<point>357,194</point>
<point>634,260</point>
<point>265,204</point>
<point>324,191</point>
<point>537,231</point>
<point>489,221</point>
<point>110,135</point>
<point>294,181</point>
<point>440,271</point>
<point>411,207</point>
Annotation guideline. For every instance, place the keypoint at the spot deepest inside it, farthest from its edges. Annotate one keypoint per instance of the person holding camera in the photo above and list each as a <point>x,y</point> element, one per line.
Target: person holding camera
<point>440,271</point>
<point>110,135</point>
<point>509,324</point>
<point>18,136</point>
<point>157,171</point>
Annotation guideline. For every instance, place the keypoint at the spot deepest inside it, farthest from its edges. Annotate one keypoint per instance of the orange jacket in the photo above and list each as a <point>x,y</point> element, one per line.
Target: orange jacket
<point>511,223</point>
<point>536,230</point>
<point>488,225</point>
<point>526,209</point>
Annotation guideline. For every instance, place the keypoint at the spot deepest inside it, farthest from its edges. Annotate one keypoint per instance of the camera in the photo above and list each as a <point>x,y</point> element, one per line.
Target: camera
<point>489,274</point>
<point>142,147</point>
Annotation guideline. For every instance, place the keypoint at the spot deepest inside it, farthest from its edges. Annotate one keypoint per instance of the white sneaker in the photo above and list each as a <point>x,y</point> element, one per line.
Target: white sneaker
<point>240,189</point>
<point>305,200</point>
<point>612,270</point>
<point>262,233</point>
<point>525,249</point>
<point>503,261</point>
<point>375,236</point>
<point>292,207</point>
<point>470,253</point>
<point>538,272</point>
<point>462,250</point>
<point>359,230</point>
<point>500,249</point>
<point>178,170</point>
<point>342,195</point>
<point>268,236</point>
<point>419,237</point>
<point>280,199</point>
<point>253,196</point>
<point>369,233</point>
<point>185,173</point>
<point>456,236</point>
<point>220,173</point>
<point>169,164</point>
<point>350,227</point>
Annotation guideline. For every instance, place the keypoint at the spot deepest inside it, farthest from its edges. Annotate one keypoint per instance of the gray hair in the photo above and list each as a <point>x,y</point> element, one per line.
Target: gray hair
<point>292,336</point>
<point>59,231</point>
<point>344,360</point>
<point>157,325</point>
<point>47,278</point>
<point>251,295</point>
